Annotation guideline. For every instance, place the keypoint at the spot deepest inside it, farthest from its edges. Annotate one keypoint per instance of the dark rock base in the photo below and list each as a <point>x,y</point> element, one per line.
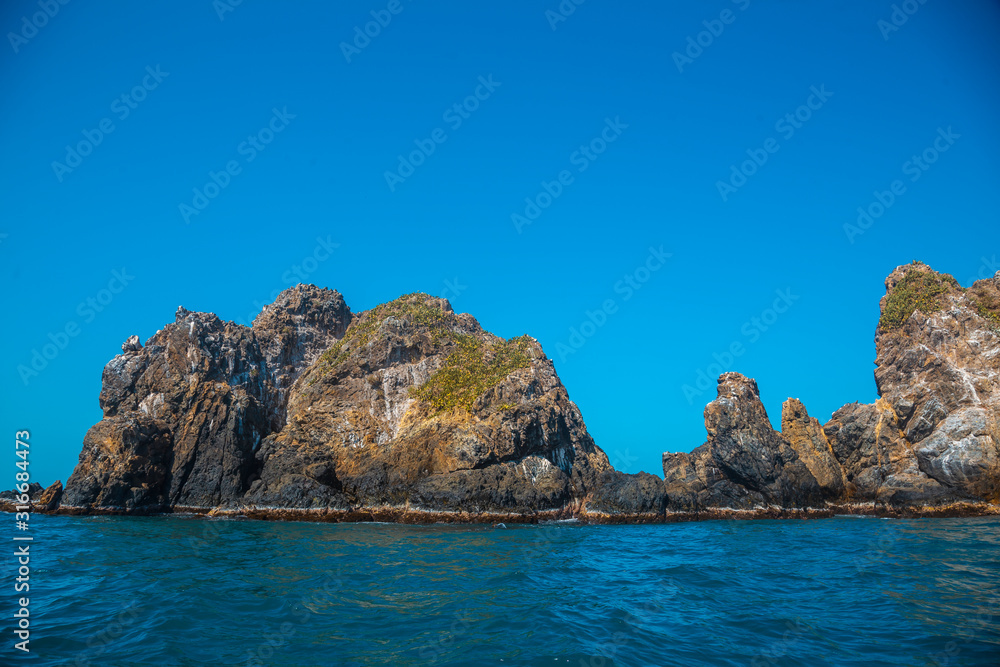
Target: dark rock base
<point>404,515</point>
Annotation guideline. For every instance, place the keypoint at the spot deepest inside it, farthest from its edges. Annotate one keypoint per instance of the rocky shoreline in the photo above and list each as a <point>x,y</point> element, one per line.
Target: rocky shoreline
<point>426,517</point>
<point>412,413</point>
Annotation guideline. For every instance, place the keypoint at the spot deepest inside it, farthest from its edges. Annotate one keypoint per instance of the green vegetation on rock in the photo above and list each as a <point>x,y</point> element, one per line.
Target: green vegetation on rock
<point>410,307</point>
<point>987,303</point>
<point>474,367</point>
<point>918,290</point>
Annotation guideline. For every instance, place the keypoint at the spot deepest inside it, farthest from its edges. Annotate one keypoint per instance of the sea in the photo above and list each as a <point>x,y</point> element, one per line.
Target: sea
<point>185,590</point>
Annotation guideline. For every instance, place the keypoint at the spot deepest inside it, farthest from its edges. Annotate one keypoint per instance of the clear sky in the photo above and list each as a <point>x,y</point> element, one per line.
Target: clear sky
<point>629,142</point>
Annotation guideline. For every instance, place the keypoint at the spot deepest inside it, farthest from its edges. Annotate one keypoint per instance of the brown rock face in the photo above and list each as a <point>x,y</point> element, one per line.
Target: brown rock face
<point>410,404</point>
<point>410,407</point>
<point>184,414</point>
<point>931,438</point>
<point>293,332</point>
<point>744,463</point>
<point>50,498</point>
<point>939,372</point>
<point>418,405</point>
<point>877,461</point>
<point>807,438</point>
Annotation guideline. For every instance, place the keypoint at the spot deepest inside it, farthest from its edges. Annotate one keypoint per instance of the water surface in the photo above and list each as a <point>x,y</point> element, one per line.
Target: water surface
<point>193,591</point>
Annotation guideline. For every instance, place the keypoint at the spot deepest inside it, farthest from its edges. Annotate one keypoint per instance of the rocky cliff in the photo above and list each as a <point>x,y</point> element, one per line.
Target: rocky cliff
<point>407,406</point>
<point>412,410</point>
<point>930,440</point>
<point>185,414</point>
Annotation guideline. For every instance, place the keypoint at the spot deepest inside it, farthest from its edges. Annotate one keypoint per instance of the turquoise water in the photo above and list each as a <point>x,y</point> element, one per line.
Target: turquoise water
<point>187,591</point>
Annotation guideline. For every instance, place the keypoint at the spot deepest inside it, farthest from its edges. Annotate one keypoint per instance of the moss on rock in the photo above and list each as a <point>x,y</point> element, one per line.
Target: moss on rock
<point>921,290</point>
<point>986,301</point>
<point>412,308</point>
<point>474,367</point>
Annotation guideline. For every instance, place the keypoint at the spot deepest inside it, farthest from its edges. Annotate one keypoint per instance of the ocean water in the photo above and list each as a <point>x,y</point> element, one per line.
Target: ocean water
<point>194,591</point>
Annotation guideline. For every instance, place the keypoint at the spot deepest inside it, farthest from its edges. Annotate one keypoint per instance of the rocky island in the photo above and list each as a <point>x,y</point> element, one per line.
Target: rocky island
<point>411,412</point>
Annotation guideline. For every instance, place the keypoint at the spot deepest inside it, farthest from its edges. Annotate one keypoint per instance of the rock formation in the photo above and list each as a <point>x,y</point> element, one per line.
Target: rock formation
<point>411,409</point>
<point>417,405</point>
<point>184,415</point>
<point>131,344</point>
<point>745,463</point>
<point>929,440</point>
<point>51,497</point>
<point>406,405</point>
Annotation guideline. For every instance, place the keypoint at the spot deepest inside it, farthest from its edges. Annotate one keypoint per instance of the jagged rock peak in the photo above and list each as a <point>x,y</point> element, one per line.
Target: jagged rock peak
<point>916,288</point>
<point>131,344</point>
<point>302,300</point>
<point>807,438</point>
<point>315,407</point>
<point>932,438</point>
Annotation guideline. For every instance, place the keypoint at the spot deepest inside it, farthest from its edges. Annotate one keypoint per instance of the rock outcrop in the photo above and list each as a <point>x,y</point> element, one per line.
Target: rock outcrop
<point>184,415</point>
<point>34,492</point>
<point>411,410</point>
<point>51,497</point>
<point>931,438</point>
<point>744,463</point>
<point>38,498</point>
<point>407,405</point>
<point>419,406</point>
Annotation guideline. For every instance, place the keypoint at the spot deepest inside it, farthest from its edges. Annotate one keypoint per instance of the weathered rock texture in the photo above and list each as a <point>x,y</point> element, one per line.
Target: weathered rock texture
<point>745,463</point>
<point>410,410</point>
<point>184,415</point>
<point>930,439</point>
<point>406,405</point>
<point>419,406</point>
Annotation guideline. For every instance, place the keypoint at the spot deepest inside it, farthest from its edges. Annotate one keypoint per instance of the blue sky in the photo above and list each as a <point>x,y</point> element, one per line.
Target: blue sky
<point>621,145</point>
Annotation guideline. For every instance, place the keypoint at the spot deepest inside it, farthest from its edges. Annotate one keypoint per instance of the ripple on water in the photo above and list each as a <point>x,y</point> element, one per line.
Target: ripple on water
<point>842,591</point>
